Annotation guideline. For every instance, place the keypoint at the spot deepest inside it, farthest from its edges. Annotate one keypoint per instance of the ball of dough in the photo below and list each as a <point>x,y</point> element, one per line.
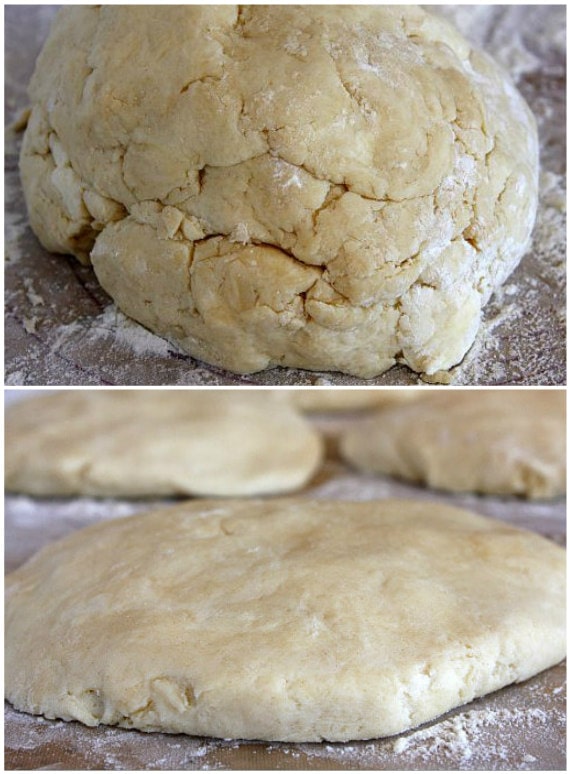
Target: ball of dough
<point>330,188</point>
<point>291,620</point>
<point>504,442</point>
<point>139,443</point>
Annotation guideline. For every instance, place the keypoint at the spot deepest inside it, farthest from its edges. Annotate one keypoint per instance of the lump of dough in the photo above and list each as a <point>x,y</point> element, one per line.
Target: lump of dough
<point>150,443</point>
<point>330,188</point>
<point>503,442</point>
<point>285,619</point>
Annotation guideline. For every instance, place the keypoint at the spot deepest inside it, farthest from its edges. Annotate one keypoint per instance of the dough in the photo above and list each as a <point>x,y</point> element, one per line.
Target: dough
<point>324,187</point>
<point>135,443</point>
<point>292,620</point>
<point>504,442</point>
<point>339,399</point>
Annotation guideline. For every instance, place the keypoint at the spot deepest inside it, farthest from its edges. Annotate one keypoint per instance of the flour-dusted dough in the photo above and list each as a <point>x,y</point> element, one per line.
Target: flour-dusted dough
<point>325,187</point>
<point>157,442</point>
<point>339,399</point>
<point>489,441</point>
<point>290,619</point>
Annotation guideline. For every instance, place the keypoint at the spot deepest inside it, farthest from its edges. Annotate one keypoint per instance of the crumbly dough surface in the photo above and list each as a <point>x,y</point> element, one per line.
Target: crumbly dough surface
<point>138,443</point>
<point>290,620</point>
<point>330,188</point>
<point>505,442</point>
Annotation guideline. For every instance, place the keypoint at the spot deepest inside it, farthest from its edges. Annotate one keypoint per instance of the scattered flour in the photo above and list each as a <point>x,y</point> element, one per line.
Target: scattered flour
<point>34,298</point>
<point>113,325</point>
<point>481,739</point>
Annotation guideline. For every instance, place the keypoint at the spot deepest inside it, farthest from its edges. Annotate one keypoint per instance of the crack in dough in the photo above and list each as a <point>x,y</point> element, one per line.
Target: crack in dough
<point>367,177</point>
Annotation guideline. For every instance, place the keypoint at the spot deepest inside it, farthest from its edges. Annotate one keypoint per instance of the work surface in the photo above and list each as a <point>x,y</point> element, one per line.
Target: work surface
<point>61,328</point>
<point>518,728</point>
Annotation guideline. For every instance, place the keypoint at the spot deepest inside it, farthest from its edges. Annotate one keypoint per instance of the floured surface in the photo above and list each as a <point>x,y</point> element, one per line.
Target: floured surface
<point>521,727</point>
<point>62,329</point>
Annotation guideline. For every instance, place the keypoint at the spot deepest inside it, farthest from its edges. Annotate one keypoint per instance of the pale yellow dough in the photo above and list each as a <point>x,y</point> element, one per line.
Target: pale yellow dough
<point>325,187</point>
<point>141,443</point>
<point>504,442</point>
<point>289,619</point>
<point>339,399</point>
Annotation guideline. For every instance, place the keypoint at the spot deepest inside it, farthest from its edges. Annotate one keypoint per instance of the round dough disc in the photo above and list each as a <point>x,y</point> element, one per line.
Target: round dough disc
<point>138,443</point>
<point>333,188</point>
<point>504,442</point>
<point>339,399</point>
<point>290,619</point>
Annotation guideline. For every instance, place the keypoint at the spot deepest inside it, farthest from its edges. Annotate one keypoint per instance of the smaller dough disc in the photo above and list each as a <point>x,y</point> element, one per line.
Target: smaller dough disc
<point>339,399</point>
<point>149,443</point>
<point>503,442</point>
<point>288,619</point>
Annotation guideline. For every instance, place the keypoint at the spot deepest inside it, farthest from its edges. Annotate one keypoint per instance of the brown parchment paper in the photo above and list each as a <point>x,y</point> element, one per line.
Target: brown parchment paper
<point>61,328</point>
<point>521,727</point>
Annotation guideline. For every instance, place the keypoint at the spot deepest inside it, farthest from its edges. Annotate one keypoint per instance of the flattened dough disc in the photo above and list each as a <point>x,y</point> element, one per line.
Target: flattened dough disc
<point>339,399</point>
<point>510,442</point>
<point>137,443</point>
<point>288,619</point>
